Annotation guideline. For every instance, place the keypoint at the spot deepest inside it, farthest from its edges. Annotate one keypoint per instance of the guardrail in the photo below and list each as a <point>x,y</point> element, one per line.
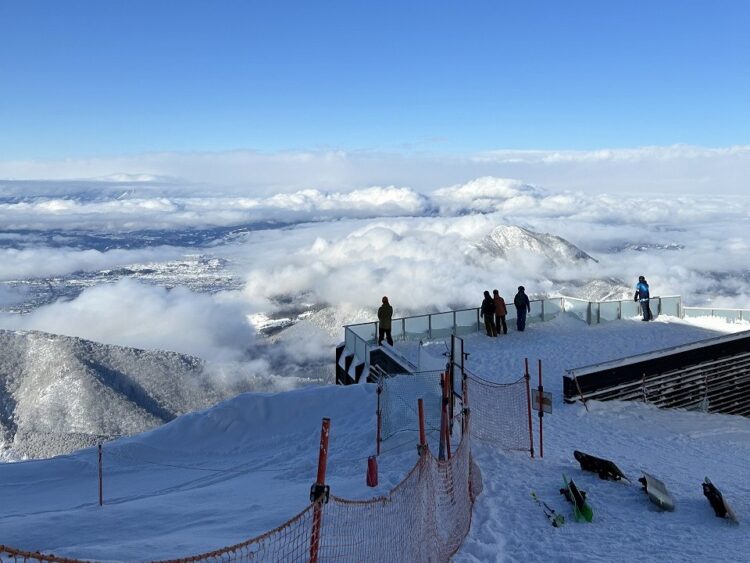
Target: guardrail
<point>359,338</point>
<point>711,375</point>
<point>729,315</point>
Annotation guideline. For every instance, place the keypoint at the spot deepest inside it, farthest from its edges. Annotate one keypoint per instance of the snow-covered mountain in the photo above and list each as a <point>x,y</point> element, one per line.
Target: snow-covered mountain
<point>596,290</point>
<point>60,393</point>
<point>508,241</point>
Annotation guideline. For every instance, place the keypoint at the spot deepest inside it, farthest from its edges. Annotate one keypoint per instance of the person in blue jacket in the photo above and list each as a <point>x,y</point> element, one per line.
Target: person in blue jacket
<point>642,295</point>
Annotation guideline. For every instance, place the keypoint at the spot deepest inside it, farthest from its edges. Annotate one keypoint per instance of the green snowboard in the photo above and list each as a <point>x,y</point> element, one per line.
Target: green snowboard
<point>581,509</point>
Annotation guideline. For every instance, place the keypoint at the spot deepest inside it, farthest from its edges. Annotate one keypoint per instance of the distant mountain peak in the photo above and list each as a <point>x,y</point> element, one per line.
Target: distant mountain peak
<point>507,240</point>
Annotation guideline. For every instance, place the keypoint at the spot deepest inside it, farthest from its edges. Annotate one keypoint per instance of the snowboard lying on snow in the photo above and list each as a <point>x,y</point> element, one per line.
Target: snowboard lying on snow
<point>657,492</point>
<point>720,506</point>
<point>581,509</point>
<point>605,468</point>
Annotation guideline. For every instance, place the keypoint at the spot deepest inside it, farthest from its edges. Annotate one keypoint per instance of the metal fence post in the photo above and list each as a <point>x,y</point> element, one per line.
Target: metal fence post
<point>429,326</point>
<point>542,310</point>
<point>454,323</point>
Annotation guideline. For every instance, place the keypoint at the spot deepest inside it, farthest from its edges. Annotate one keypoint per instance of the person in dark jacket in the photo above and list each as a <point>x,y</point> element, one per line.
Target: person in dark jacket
<point>488,313</point>
<point>500,311</point>
<point>642,295</point>
<point>523,306</point>
<point>385,314</point>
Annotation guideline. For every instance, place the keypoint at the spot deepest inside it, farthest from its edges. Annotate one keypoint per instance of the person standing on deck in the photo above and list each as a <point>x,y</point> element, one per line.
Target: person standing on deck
<point>488,313</point>
<point>500,312</point>
<point>385,314</point>
<point>642,294</point>
<point>523,306</point>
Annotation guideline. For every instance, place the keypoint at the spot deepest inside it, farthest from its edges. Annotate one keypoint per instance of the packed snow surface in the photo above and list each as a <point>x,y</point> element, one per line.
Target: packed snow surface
<point>216,477</point>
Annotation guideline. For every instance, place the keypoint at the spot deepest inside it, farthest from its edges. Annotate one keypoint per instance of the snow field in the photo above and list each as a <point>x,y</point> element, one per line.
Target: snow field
<point>216,477</point>
<point>679,447</point>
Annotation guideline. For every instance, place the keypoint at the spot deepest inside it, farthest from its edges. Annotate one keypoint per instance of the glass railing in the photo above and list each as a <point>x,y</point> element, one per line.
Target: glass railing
<point>359,338</point>
<point>579,308</point>
<point>552,307</point>
<point>728,315</point>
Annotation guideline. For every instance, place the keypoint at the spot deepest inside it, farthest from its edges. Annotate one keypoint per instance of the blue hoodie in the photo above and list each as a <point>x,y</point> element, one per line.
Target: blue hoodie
<point>642,289</point>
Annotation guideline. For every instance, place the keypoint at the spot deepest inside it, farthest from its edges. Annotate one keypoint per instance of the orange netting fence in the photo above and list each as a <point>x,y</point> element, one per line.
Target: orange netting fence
<point>428,514</point>
<point>424,518</point>
<point>500,412</point>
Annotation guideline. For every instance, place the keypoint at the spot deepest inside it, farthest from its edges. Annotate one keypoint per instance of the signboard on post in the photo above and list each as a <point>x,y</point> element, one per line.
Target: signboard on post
<point>546,401</point>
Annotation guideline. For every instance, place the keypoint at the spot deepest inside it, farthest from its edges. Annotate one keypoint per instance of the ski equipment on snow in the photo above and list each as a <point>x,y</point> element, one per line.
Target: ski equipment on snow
<point>720,506</point>
<point>581,509</point>
<point>605,468</point>
<point>657,492</point>
<point>555,519</point>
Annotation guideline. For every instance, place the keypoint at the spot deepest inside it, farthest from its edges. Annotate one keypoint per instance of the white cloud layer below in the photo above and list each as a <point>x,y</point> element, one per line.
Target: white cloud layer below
<point>420,249</point>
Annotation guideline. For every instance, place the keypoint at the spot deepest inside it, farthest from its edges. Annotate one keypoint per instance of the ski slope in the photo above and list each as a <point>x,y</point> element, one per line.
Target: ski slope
<point>218,476</point>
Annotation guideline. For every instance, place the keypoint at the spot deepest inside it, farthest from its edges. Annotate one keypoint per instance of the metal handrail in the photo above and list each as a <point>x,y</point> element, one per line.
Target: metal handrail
<point>591,313</point>
<point>716,309</point>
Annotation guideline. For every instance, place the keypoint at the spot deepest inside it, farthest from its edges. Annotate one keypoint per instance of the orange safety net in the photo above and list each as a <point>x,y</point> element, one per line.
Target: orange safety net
<point>499,412</point>
<point>424,518</point>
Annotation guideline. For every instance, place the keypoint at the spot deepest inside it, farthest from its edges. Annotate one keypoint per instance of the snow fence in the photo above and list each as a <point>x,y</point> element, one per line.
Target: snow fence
<point>424,518</point>
<point>501,412</point>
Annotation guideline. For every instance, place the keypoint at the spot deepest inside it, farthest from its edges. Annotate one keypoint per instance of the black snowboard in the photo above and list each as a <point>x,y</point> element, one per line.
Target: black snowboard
<point>720,506</point>
<point>603,467</point>
<point>577,497</point>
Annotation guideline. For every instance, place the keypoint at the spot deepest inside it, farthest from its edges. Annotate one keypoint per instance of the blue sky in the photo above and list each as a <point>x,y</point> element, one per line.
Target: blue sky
<point>95,78</point>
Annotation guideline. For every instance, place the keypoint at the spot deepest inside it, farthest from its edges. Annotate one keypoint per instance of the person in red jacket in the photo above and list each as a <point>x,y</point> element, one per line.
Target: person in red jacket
<point>500,311</point>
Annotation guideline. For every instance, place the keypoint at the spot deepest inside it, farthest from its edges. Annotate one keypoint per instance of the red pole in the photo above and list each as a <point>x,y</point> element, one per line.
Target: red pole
<point>443,422</point>
<point>465,401</point>
<point>527,376</point>
<point>101,497</point>
<point>319,491</point>
<point>448,417</point>
<point>422,437</point>
<point>465,390</point>
<point>541,413</point>
<point>377,433</point>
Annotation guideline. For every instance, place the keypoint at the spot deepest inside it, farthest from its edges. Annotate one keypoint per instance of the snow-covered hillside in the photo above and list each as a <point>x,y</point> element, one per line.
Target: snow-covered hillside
<point>61,393</point>
<point>212,478</point>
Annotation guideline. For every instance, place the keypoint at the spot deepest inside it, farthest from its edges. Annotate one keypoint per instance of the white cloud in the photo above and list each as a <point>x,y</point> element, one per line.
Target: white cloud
<point>128,313</point>
<point>417,248</point>
<point>41,261</point>
<point>640,170</point>
<point>155,211</point>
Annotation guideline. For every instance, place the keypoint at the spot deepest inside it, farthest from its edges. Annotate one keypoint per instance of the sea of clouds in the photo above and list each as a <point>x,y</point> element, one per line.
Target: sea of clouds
<point>299,246</point>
